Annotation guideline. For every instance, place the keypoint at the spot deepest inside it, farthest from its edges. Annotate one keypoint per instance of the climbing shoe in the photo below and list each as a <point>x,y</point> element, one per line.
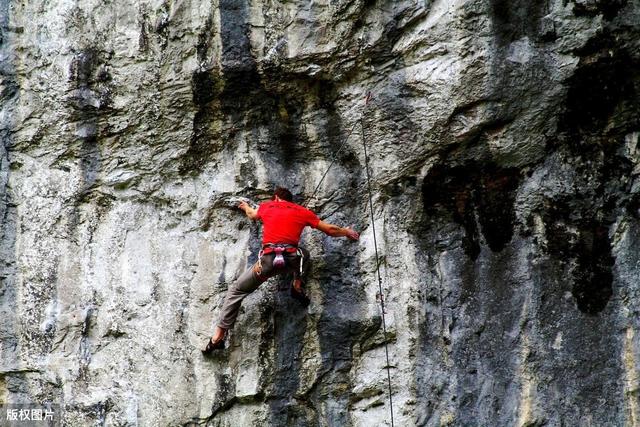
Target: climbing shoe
<point>297,293</point>
<point>212,346</point>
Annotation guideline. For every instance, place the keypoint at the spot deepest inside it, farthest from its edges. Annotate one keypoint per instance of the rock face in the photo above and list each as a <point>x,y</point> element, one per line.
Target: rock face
<point>503,142</point>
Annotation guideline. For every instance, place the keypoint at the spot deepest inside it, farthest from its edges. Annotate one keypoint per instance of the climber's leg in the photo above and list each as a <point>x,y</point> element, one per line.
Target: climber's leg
<point>301,267</point>
<point>243,286</point>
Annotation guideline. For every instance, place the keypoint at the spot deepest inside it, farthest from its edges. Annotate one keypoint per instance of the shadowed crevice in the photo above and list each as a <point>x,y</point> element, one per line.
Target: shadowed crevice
<point>89,99</point>
<point>479,198</point>
<point>599,110</point>
<point>289,327</point>
<point>13,377</point>
<point>580,244</point>
<point>602,84</point>
<point>514,20</point>
<point>592,8</point>
<point>231,98</point>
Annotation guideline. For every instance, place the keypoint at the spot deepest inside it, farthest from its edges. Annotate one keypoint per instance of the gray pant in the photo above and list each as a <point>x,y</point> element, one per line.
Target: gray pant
<point>253,277</point>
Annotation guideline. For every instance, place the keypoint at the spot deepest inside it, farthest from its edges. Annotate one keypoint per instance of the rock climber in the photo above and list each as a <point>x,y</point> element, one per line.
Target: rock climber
<point>283,222</point>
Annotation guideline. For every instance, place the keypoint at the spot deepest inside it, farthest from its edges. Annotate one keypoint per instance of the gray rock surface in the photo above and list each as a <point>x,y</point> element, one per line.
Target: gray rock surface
<point>503,138</point>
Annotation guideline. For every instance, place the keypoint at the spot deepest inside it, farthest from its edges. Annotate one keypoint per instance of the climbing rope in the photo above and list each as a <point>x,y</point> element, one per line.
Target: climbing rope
<point>375,246</point>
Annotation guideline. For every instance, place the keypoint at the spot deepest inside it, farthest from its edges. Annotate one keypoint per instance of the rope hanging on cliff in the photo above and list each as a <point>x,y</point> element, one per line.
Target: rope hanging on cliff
<point>375,246</point>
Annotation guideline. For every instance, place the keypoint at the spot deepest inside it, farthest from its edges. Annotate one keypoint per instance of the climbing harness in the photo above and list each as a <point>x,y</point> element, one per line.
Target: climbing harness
<point>279,250</point>
<point>375,246</point>
<point>278,261</point>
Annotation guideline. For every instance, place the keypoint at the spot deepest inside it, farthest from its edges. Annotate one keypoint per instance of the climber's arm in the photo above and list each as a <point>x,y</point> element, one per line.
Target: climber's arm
<point>335,231</point>
<point>251,213</point>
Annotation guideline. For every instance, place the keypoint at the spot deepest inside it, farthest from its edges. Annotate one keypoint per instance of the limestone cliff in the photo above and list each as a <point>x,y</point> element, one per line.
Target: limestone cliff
<point>503,138</point>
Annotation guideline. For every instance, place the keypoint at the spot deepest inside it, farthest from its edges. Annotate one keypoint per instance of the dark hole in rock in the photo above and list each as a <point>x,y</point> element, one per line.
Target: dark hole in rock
<point>205,86</point>
<point>286,128</point>
<point>593,278</point>
<point>516,19</point>
<point>608,8</point>
<point>601,106</point>
<point>584,246</point>
<point>83,65</point>
<point>601,83</point>
<point>634,206</point>
<point>496,197</point>
<point>464,193</point>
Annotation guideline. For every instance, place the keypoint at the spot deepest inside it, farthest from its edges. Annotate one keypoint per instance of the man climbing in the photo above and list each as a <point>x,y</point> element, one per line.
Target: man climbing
<point>283,222</point>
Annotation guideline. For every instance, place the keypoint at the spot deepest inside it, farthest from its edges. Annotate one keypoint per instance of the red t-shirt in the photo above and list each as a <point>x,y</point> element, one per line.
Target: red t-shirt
<point>284,221</point>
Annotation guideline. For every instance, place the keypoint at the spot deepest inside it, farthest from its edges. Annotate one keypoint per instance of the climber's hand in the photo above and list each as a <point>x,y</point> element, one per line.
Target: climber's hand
<point>248,210</point>
<point>351,234</point>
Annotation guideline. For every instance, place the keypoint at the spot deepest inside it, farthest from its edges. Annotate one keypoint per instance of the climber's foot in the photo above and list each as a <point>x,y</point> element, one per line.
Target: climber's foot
<point>216,342</point>
<point>213,345</point>
<point>297,293</point>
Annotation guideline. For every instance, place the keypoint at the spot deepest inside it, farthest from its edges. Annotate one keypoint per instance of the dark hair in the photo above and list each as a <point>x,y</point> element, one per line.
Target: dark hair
<point>283,193</point>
